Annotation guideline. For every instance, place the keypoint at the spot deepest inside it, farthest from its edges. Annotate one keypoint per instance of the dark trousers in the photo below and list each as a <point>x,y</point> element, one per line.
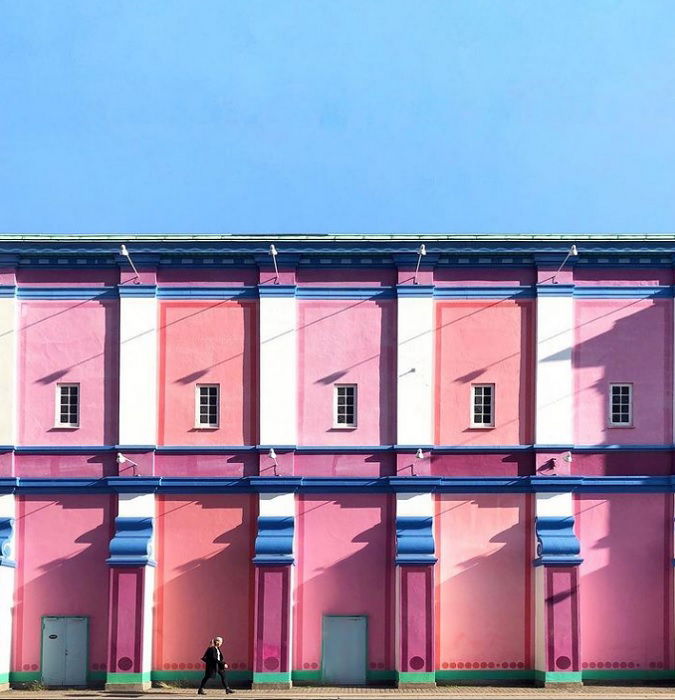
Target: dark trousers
<point>210,672</point>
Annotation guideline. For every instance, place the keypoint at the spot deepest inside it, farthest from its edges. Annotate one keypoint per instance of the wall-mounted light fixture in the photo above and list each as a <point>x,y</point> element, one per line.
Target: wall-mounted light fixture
<point>572,252</point>
<point>421,252</point>
<point>121,459</point>
<point>273,456</point>
<point>274,253</point>
<point>125,253</point>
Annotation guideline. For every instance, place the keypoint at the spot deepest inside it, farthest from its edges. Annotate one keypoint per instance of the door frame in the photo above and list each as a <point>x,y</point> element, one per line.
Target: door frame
<point>86,642</point>
<point>323,648</point>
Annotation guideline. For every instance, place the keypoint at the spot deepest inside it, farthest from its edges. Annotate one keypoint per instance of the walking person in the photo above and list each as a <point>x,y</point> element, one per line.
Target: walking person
<point>214,663</point>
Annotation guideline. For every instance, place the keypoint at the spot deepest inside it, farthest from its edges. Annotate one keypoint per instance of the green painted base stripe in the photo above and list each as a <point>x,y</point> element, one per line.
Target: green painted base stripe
<point>628,675</point>
<point>412,677</point>
<point>380,676</point>
<point>484,675</point>
<point>4,677</point>
<point>128,677</point>
<point>24,676</point>
<point>272,677</point>
<point>558,676</point>
<point>306,676</point>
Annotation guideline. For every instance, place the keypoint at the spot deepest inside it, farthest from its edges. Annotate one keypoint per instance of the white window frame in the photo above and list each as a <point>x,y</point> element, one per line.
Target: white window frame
<point>57,405</point>
<point>610,421</point>
<point>482,426</point>
<point>345,426</point>
<point>198,424</point>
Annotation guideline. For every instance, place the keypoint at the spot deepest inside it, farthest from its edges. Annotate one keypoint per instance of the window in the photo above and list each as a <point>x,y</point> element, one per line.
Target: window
<point>482,405</point>
<point>345,406</point>
<point>208,405</point>
<point>67,405</point>
<point>621,404</point>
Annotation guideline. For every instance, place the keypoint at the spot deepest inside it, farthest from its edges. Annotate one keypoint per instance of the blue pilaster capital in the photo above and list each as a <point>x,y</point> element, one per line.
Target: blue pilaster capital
<point>7,542</point>
<point>557,545</point>
<point>274,541</point>
<point>131,544</point>
<point>415,541</point>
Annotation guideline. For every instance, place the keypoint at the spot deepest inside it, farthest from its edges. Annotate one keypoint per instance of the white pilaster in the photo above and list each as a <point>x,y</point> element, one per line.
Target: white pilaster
<point>7,574</point>
<point>138,370</point>
<point>415,347</point>
<point>8,369</point>
<point>554,380</point>
<point>278,369</point>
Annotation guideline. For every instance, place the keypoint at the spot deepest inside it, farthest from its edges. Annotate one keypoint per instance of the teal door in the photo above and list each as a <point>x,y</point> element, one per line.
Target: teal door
<point>345,650</point>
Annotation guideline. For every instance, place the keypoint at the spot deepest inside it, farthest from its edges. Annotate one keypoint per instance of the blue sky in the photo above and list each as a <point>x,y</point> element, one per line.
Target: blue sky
<point>337,116</point>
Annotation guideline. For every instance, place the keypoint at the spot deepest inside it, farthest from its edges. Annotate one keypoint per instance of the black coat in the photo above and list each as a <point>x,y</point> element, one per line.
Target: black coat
<point>210,658</point>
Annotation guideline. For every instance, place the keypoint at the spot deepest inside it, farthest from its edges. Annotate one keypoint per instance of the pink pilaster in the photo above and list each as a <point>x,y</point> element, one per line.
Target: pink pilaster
<point>271,656</point>
<point>415,628</point>
<point>127,667</point>
<point>559,658</point>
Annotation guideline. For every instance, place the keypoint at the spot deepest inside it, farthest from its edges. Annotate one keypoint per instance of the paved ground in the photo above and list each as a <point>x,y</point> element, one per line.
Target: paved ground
<point>594,692</point>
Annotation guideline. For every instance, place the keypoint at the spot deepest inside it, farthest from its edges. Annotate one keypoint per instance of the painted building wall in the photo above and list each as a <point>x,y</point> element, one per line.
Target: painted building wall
<point>63,544</point>
<point>347,342</point>
<point>207,342</point>
<point>204,579</point>
<point>623,341</point>
<point>626,601</point>
<point>68,341</point>
<point>343,567</point>
<point>484,579</point>
<point>484,342</point>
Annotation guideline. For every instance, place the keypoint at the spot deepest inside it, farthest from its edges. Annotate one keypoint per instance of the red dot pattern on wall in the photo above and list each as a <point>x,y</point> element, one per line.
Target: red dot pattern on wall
<point>619,664</point>
<point>471,665</point>
<point>189,665</point>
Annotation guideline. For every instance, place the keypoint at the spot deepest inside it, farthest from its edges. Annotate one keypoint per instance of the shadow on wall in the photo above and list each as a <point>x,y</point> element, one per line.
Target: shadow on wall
<point>484,579</point>
<point>205,582</point>
<point>72,585</point>
<point>344,567</point>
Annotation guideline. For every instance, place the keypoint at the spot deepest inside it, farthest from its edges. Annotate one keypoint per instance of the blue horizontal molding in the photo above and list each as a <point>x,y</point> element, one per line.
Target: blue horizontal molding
<point>625,292</point>
<point>205,449</point>
<point>557,545</point>
<point>254,484</point>
<point>623,448</point>
<point>6,540</point>
<point>276,290</point>
<point>555,290</point>
<point>415,290</point>
<point>131,544</point>
<point>343,449</point>
<point>496,293</point>
<point>414,540</point>
<point>476,449</point>
<point>274,541</point>
<point>7,291</point>
<point>62,449</point>
<point>137,290</point>
<point>207,293</point>
<point>67,293</point>
<point>346,293</point>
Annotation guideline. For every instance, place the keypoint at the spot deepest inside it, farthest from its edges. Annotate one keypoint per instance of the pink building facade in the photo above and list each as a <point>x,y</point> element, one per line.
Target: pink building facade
<point>356,463</point>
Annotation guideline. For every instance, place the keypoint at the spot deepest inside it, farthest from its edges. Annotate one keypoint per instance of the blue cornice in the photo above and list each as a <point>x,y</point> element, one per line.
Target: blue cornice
<point>346,293</point>
<point>68,293</point>
<point>625,292</point>
<point>514,484</point>
<point>415,290</point>
<point>7,291</point>
<point>276,290</point>
<point>207,292</point>
<point>555,290</point>
<point>137,290</point>
<point>496,292</point>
